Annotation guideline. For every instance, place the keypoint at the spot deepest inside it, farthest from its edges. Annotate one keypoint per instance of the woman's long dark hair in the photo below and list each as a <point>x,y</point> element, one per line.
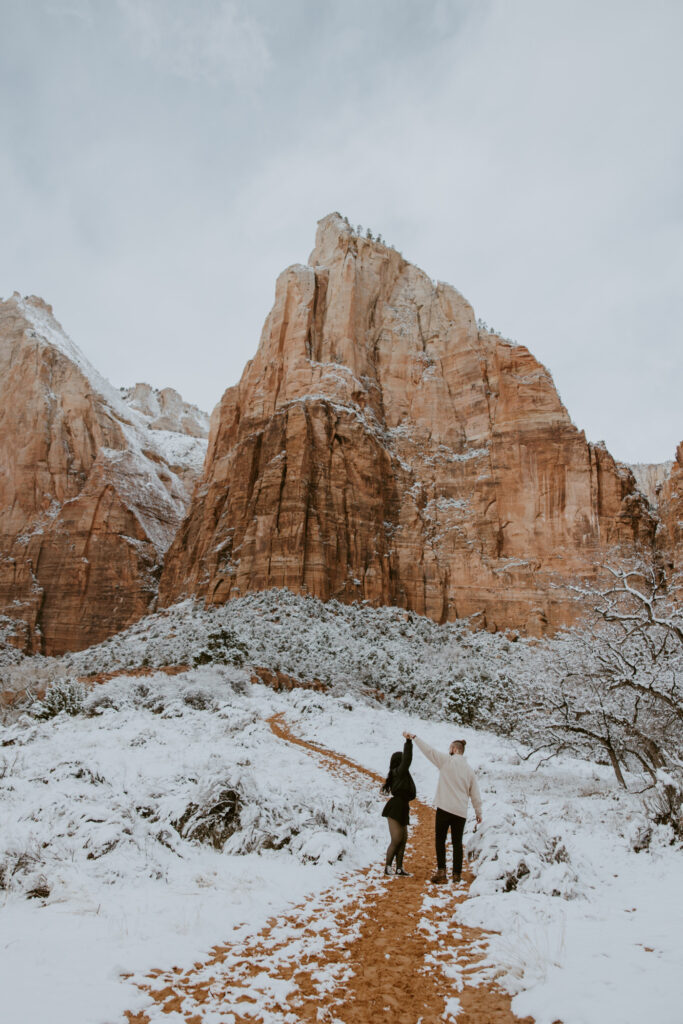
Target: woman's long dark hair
<point>395,761</point>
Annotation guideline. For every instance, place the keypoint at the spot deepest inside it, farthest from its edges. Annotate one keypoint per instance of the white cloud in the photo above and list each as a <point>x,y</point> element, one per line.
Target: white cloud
<point>215,40</point>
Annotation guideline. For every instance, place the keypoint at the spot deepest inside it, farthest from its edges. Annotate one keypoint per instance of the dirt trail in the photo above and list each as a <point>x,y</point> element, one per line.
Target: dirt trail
<point>11,697</point>
<point>370,949</point>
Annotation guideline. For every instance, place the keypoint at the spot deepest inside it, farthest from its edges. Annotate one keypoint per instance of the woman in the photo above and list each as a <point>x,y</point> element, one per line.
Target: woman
<point>400,784</point>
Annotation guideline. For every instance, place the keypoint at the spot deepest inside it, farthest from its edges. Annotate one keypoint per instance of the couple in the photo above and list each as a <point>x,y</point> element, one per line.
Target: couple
<point>457,785</point>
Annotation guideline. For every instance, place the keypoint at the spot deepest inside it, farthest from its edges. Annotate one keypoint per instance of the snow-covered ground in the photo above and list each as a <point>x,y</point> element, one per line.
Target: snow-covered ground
<point>91,806</point>
<point>607,948</point>
<point>108,818</point>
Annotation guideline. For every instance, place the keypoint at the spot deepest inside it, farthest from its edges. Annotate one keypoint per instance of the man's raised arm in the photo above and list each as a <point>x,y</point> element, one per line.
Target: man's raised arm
<point>435,756</point>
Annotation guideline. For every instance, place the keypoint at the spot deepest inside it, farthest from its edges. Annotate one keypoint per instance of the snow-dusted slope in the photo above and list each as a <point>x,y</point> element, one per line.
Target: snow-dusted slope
<point>43,326</point>
<point>379,653</point>
<point>156,424</point>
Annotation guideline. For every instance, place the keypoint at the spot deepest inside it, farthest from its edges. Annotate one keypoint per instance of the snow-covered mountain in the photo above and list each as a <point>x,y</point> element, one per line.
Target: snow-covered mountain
<point>93,485</point>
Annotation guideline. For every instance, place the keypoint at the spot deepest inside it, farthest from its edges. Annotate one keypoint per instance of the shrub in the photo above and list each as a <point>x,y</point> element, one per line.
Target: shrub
<point>213,821</point>
<point>663,807</point>
<point>223,648</point>
<point>512,851</point>
<point>462,702</point>
<point>200,700</point>
<point>64,695</point>
<point>16,863</point>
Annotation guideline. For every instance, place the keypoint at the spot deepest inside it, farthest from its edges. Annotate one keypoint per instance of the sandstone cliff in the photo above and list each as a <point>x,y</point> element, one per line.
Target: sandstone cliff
<point>670,495</point>
<point>649,478</point>
<point>90,495</point>
<point>381,447</point>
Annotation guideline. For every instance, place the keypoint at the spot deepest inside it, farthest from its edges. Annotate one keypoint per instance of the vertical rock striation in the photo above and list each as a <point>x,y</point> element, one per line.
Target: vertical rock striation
<point>90,496</point>
<point>649,478</point>
<point>670,500</point>
<point>381,447</point>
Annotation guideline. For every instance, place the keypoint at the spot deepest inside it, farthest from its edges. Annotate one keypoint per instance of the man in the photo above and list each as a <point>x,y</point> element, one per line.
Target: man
<point>456,786</point>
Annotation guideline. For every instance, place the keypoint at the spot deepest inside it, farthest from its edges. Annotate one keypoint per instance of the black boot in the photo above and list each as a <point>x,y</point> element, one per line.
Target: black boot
<point>405,874</point>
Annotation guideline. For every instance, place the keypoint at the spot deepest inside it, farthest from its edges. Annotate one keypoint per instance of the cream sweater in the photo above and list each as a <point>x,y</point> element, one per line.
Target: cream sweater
<point>457,783</point>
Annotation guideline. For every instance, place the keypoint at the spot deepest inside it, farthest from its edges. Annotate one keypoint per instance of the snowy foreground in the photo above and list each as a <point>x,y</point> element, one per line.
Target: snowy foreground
<point>165,817</point>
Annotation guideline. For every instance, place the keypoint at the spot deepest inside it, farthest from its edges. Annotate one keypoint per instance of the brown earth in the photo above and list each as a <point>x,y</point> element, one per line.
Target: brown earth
<point>365,934</point>
<point>142,670</point>
<point>278,680</point>
<point>383,446</point>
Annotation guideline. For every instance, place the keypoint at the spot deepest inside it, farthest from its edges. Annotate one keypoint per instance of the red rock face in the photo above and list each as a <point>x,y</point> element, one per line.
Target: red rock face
<point>381,447</point>
<point>670,536</point>
<point>89,497</point>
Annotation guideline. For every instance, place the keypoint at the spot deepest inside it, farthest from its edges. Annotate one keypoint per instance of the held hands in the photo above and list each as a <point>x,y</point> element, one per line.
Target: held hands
<point>409,735</point>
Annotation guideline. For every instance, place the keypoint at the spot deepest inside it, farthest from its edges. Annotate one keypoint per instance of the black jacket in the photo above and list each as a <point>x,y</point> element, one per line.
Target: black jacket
<point>402,784</point>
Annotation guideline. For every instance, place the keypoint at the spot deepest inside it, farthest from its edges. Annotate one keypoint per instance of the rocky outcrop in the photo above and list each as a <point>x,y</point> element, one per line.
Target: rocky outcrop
<point>90,496</point>
<point>670,497</point>
<point>381,447</point>
<point>649,478</point>
<point>166,410</point>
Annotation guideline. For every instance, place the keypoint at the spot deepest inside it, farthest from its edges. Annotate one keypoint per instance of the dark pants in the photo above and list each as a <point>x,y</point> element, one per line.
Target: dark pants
<point>444,822</point>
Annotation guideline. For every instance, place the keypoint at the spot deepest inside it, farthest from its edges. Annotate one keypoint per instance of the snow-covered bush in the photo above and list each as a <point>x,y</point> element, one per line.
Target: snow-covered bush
<point>18,861</point>
<point>222,648</point>
<point>309,828</point>
<point>385,654</point>
<point>664,803</point>
<point>9,653</point>
<point>662,821</point>
<point>62,696</point>
<point>511,850</point>
<point>213,819</point>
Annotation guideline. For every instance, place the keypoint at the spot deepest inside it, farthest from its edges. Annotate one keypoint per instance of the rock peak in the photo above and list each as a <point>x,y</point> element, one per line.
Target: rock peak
<point>166,410</point>
<point>331,240</point>
<point>382,446</point>
<point>31,300</point>
<point>336,236</point>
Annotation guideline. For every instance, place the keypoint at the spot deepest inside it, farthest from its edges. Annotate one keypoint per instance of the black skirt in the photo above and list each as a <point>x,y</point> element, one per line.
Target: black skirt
<point>398,809</point>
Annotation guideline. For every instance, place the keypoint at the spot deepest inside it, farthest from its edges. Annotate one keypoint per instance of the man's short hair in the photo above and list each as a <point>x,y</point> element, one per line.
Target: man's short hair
<point>460,744</point>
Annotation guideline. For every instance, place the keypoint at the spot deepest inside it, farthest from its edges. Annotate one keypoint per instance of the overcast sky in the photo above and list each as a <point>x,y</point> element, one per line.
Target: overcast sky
<point>163,160</point>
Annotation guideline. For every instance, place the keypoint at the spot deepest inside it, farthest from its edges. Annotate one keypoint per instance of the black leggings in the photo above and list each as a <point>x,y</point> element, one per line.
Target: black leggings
<point>444,822</point>
<point>399,838</point>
